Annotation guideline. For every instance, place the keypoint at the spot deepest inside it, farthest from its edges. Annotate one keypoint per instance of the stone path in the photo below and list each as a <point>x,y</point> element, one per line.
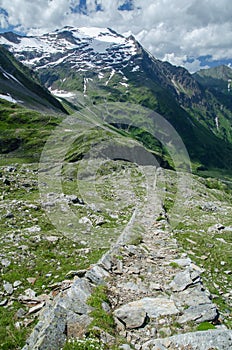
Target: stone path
<point>156,293</point>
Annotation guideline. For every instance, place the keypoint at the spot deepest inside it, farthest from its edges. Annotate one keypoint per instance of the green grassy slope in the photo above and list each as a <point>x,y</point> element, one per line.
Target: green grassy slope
<point>23,131</point>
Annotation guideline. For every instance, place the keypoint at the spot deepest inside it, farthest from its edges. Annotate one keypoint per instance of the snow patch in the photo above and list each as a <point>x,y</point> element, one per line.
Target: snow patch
<point>100,76</point>
<point>61,93</point>
<point>8,98</point>
<point>124,84</point>
<point>135,69</point>
<point>217,123</point>
<point>86,80</point>
<point>111,76</point>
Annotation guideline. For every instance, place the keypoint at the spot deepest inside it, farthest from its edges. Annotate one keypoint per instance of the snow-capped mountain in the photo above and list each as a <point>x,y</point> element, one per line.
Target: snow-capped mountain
<point>83,48</point>
<point>95,65</point>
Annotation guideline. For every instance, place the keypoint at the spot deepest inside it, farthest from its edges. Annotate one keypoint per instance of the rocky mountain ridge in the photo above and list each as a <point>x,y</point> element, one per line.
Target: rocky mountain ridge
<point>18,86</point>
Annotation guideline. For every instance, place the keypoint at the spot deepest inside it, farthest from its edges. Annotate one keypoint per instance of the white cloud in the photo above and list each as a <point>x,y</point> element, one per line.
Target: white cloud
<point>170,29</point>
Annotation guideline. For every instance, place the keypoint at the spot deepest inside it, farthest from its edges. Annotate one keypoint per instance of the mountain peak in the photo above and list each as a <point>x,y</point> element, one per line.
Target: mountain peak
<point>83,47</point>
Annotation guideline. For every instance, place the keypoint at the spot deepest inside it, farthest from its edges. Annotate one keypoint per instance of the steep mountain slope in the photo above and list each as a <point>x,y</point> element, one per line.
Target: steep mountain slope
<point>92,66</point>
<point>17,85</point>
<point>216,78</point>
<point>218,81</point>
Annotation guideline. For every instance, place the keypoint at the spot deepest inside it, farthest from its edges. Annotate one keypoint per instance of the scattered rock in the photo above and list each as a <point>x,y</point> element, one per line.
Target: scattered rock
<point>125,347</point>
<point>9,215</point>
<point>8,288</point>
<point>33,229</point>
<point>216,228</point>
<point>5,262</point>
<point>52,239</point>
<point>31,280</point>
<point>182,262</point>
<point>36,308</point>
<point>16,284</point>
<point>85,221</point>
<point>3,302</point>
<point>79,273</point>
<point>20,313</point>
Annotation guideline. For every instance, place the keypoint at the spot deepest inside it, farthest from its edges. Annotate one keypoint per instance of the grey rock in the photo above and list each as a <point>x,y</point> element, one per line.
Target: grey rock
<point>85,220</point>
<point>105,337</point>
<point>20,313</point>
<point>30,293</point>
<point>131,286</point>
<point>77,325</point>
<point>9,215</point>
<point>33,229</point>
<point>106,262</point>
<point>8,288</point>
<point>216,228</point>
<point>49,333</point>
<point>3,302</point>
<point>17,284</point>
<point>106,307</point>
<point>52,239</point>
<point>125,347</point>
<point>199,313</point>
<point>191,297</point>
<point>74,199</point>
<point>79,273</point>
<point>36,308</point>
<point>76,297</point>
<point>182,262</point>
<point>205,340</point>
<point>133,314</point>
<point>97,275</point>
<point>183,280</point>
<point>132,317</point>
<point>5,262</point>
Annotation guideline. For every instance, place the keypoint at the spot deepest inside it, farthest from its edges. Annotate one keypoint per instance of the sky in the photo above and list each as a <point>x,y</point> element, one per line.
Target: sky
<point>189,33</point>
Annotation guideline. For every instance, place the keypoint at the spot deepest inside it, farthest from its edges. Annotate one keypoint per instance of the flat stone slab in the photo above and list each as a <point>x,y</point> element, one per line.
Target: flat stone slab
<point>199,313</point>
<point>184,279</point>
<point>205,340</point>
<point>134,314</point>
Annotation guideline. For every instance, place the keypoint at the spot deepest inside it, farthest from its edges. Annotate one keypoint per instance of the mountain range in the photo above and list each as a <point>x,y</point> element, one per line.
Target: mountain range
<point>81,66</point>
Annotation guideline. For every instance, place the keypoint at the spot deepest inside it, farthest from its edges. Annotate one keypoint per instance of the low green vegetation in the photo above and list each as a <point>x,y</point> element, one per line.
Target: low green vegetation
<point>101,318</point>
<point>23,132</point>
<point>205,326</point>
